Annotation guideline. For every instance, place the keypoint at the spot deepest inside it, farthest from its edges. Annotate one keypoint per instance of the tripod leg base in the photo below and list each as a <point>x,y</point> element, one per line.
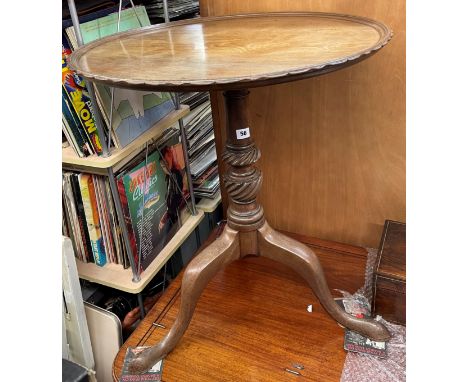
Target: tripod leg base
<point>199,272</point>
<point>304,261</point>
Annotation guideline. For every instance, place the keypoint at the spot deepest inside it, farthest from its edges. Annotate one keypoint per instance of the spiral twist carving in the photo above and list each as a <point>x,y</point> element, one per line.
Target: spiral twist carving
<point>244,157</point>
<point>243,189</point>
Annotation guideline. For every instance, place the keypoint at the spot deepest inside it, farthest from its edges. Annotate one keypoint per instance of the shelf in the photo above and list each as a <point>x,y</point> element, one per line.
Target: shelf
<point>115,276</point>
<point>209,205</point>
<point>99,165</point>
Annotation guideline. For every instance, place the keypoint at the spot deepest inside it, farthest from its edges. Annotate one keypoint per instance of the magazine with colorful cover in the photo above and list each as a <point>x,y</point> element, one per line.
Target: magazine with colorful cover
<point>74,127</point>
<point>92,218</point>
<point>104,218</point>
<point>173,164</point>
<point>128,223</point>
<point>78,96</point>
<point>153,374</point>
<point>97,219</point>
<point>71,213</point>
<point>176,178</point>
<point>145,189</point>
<point>115,228</point>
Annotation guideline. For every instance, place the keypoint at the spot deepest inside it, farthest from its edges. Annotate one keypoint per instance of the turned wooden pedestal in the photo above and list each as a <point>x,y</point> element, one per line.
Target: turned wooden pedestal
<point>232,54</point>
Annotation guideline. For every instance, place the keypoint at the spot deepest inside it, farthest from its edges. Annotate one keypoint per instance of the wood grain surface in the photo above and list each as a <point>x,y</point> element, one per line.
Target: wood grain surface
<point>392,252</point>
<point>252,322</point>
<point>230,52</point>
<point>333,147</point>
<point>390,299</point>
<point>389,292</point>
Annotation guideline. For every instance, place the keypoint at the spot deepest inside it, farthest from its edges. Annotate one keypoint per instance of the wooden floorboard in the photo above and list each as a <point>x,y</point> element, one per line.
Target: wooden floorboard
<point>251,323</point>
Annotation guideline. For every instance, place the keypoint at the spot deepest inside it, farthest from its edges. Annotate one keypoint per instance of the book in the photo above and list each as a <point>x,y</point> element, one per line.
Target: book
<point>153,374</point>
<point>202,151</point>
<point>208,174</point>
<point>355,342</point>
<point>197,116</point>
<point>77,93</point>
<point>128,222</point>
<point>145,190</point>
<point>66,230</point>
<point>176,9</point>
<point>202,144</point>
<point>92,218</point>
<point>70,212</point>
<point>193,99</point>
<point>173,163</point>
<point>203,160</point>
<point>81,218</point>
<point>115,227</point>
<point>207,184</point>
<point>78,134</point>
<point>104,218</point>
<point>103,254</point>
<point>70,140</point>
<point>169,137</point>
<point>133,112</point>
<point>209,187</point>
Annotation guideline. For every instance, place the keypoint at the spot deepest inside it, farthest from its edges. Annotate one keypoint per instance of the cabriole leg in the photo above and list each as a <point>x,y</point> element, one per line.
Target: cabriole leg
<point>304,261</point>
<point>199,272</point>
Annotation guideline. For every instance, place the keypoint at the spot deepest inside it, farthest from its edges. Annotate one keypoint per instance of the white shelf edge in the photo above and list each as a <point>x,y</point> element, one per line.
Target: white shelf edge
<point>209,205</point>
<point>115,276</point>
<point>99,164</point>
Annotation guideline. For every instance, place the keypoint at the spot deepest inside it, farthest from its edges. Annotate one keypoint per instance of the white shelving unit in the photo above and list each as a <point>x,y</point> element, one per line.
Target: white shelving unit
<point>99,164</point>
<point>114,275</point>
<point>209,205</point>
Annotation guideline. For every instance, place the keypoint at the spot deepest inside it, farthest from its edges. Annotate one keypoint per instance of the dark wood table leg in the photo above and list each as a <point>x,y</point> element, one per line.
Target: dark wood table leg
<point>247,233</point>
<point>199,272</point>
<point>243,181</point>
<point>304,261</point>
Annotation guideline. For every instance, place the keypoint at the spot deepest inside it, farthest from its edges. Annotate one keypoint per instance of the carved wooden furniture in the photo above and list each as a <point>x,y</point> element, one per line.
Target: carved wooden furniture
<point>348,127</point>
<point>253,302</point>
<point>234,53</point>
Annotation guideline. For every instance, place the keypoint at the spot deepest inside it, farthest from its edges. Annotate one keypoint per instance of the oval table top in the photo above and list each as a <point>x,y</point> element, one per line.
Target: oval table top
<point>230,52</point>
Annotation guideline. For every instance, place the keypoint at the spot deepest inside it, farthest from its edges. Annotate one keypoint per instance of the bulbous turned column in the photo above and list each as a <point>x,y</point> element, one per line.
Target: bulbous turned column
<point>242,179</point>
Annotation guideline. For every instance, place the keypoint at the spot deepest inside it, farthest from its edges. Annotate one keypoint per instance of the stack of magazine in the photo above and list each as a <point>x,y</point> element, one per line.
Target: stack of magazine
<point>78,120</point>
<point>177,9</point>
<point>153,191</point>
<point>133,112</point>
<point>202,151</point>
<point>193,99</point>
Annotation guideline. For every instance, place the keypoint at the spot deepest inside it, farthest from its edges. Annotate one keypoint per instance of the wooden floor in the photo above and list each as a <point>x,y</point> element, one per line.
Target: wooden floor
<point>252,322</point>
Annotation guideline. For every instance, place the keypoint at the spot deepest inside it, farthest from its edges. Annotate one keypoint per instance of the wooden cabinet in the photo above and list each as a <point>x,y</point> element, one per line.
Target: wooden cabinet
<point>390,275</point>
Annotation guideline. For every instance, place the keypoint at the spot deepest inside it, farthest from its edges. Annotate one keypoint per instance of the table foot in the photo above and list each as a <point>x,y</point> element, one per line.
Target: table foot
<point>304,261</point>
<point>199,272</point>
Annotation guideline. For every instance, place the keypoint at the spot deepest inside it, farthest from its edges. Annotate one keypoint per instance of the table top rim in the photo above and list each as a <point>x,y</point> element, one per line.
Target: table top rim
<point>231,82</point>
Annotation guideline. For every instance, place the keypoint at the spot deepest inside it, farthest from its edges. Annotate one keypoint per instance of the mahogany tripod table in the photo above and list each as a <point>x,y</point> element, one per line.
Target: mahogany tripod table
<point>233,53</point>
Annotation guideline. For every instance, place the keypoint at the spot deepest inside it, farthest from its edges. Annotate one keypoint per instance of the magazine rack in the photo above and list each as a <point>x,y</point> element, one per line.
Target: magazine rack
<point>113,275</point>
<point>233,53</point>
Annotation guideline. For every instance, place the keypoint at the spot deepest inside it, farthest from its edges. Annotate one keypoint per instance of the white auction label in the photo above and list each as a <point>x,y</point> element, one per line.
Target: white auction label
<point>243,133</point>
